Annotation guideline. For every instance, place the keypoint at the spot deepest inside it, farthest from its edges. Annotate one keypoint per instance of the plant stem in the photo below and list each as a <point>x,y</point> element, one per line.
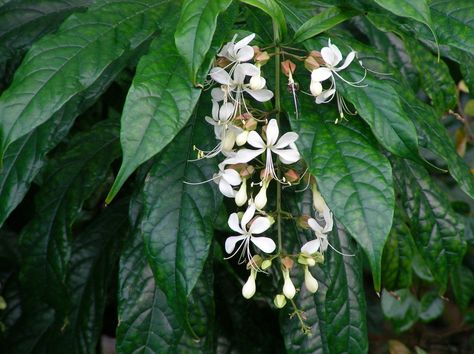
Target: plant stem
<point>276,37</point>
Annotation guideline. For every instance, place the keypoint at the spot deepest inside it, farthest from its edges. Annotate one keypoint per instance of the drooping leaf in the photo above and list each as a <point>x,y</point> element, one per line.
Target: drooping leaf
<point>60,67</point>
<point>437,227</point>
<point>177,218</point>
<point>272,9</point>
<point>147,324</point>
<point>354,178</point>
<point>398,256</point>
<point>431,306</point>
<point>401,307</point>
<point>153,114</point>
<point>195,30</point>
<point>23,22</point>
<point>335,312</point>
<point>322,22</point>
<point>69,181</point>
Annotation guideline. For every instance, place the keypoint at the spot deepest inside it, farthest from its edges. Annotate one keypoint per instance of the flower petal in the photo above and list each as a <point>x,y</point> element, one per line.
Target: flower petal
<point>262,95</point>
<point>285,140</point>
<point>215,109</point>
<point>259,225</point>
<point>234,224</point>
<point>331,55</point>
<point>231,176</point>
<point>210,120</point>
<point>314,225</point>
<point>255,140</point>
<point>226,111</point>
<point>266,244</point>
<point>311,247</point>
<point>230,242</point>
<point>226,189</point>
<point>272,132</point>
<point>243,70</point>
<point>248,215</point>
<point>320,74</point>
<point>221,76</point>
<point>350,57</point>
<point>217,94</point>
<point>287,156</point>
<point>245,155</point>
<point>244,41</point>
<point>245,53</point>
<point>326,96</point>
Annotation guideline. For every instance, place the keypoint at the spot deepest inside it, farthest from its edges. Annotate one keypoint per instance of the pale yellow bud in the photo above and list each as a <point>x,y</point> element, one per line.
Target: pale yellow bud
<point>279,301</point>
<point>250,286</point>
<point>316,88</point>
<point>289,289</point>
<point>229,141</point>
<point>242,138</point>
<point>241,195</point>
<point>261,198</point>
<point>266,264</point>
<point>309,281</point>
<point>257,82</point>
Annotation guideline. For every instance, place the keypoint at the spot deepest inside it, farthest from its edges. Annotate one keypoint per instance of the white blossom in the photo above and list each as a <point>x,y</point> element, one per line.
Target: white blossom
<point>238,52</point>
<point>227,178</point>
<point>320,244</point>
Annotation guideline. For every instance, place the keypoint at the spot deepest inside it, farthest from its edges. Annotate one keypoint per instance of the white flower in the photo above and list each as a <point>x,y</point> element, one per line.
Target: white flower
<point>284,147</point>
<point>321,242</point>
<point>246,235</point>
<point>227,178</point>
<point>238,52</point>
<point>332,57</point>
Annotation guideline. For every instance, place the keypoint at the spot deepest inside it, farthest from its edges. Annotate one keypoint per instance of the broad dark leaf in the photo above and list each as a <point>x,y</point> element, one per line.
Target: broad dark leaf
<point>401,307</point>
<point>153,114</point>
<point>462,281</point>
<point>177,219</point>
<point>431,306</point>
<point>437,229</point>
<point>69,181</point>
<point>195,30</point>
<point>354,178</point>
<point>62,66</point>
<point>417,10</point>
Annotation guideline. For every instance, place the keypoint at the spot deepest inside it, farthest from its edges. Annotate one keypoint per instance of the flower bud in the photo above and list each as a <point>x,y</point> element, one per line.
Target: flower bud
<point>247,171</point>
<point>257,82</point>
<point>292,176</point>
<point>288,67</point>
<point>271,219</point>
<point>318,57</point>
<point>242,138</point>
<point>229,141</point>
<point>250,287</point>
<point>261,58</point>
<point>310,63</point>
<point>318,201</point>
<point>309,281</point>
<point>302,221</point>
<point>287,262</point>
<point>316,88</point>
<point>241,195</point>
<point>289,289</point>
<point>279,301</point>
<point>222,62</point>
<point>266,264</point>
<point>261,198</point>
<point>251,124</point>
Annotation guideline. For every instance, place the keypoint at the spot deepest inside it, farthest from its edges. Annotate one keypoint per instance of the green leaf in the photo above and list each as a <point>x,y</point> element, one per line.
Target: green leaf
<point>462,281</point>
<point>195,31</point>
<point>397,256</point>
<point>177,218</point>
<point>147,324</point>
<point>401,308</point>
<point>153,114</point>
<point>336,312</point>
<point>322,22</point>
<point>417,10</point>
<point>272,9</point>
<point>62,66</point>
<point>24,22</point>
<point>431,306</point>
<point>437,227</point>
<point>69,181</point>
<point>354,178</point>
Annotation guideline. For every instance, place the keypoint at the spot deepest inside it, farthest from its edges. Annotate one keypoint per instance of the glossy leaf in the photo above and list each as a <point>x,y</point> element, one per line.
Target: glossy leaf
<point>462,281</point>
<point>354,178</point>
<point>401,308</point>
<point>272,9</point>
<point>335,312</point>
<point>195,30</point>
<point>61,67</point>
<point>431,306</point>
<point>177,218</point>
<point>152,115</point>
<point>147,324</point>
<point>437,227</point>
<point>398,256</point>
<point>69,181</point>
<point>417,10</point>
<point>322,22</point>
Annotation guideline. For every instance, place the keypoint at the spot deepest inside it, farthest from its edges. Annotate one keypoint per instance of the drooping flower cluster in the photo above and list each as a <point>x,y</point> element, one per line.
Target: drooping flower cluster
<point>255,155</point>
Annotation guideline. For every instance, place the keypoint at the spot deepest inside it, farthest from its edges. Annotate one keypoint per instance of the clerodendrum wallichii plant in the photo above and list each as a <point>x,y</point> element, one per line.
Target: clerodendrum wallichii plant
<point>236,176</point>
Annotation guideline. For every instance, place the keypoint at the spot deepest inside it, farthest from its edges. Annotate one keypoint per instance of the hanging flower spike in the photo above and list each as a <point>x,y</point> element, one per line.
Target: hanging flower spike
<point>227,179</point>
<point>284,147</point>
<point>332,57</point>
<point>258,226</point>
